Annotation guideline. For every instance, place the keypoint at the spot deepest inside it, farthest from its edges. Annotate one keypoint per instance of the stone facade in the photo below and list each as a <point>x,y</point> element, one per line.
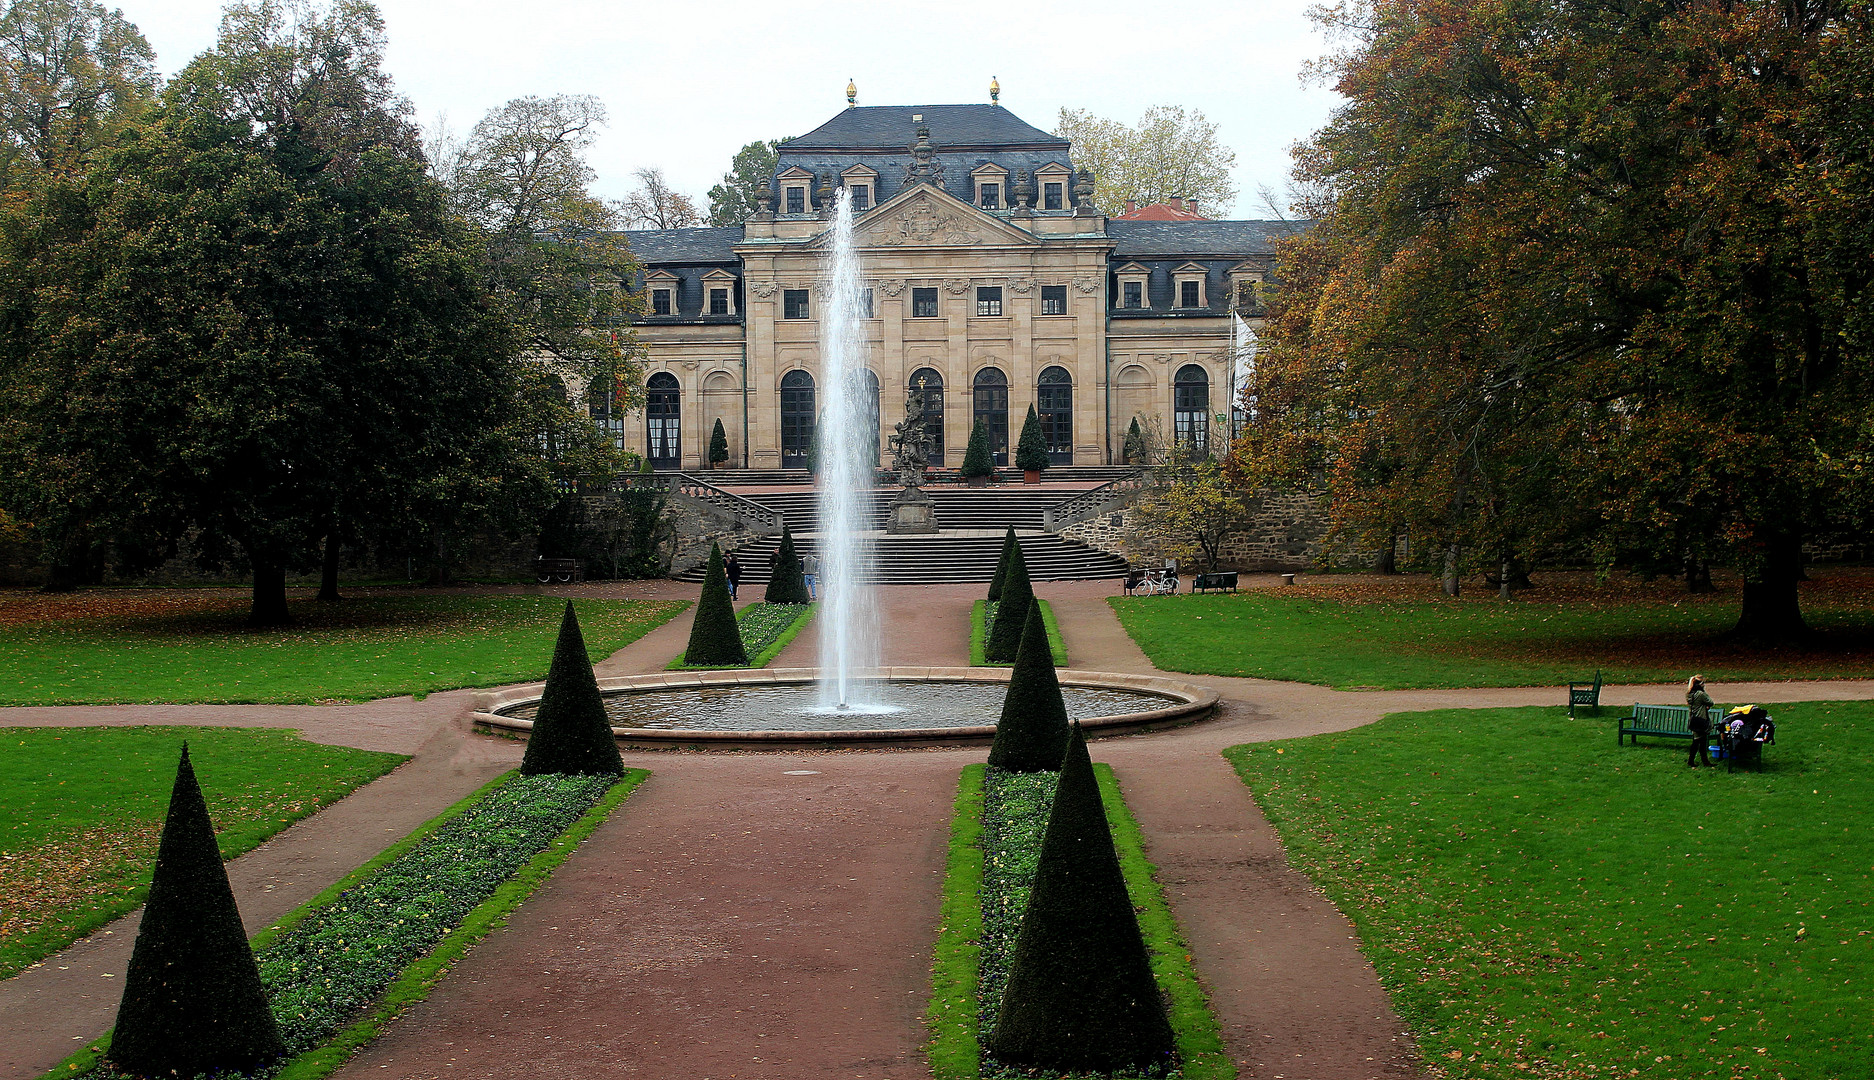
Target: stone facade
<point>990,275</point>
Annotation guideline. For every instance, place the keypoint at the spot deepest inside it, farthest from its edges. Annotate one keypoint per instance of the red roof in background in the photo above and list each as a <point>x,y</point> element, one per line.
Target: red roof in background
<point>1160,212</point>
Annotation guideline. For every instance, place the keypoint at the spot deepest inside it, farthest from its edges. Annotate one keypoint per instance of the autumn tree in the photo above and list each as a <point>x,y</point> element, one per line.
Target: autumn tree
<point>1585,277</point>
<point>1189,509</point>
<point>73,73</point>
<point>734,199</point>
<point>654,204</point>
<point>1172,152</point>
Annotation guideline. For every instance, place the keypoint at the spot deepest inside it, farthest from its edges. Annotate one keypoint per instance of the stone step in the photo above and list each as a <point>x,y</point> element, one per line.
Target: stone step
<point>979,508</point>
<point>941,559</point>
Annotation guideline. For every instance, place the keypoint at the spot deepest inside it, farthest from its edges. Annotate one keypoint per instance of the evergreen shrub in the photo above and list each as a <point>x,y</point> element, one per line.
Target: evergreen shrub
<point>787,585</point>
<point>1005,634</point>
<point>1009,543</point>
<point>718,444</point>
<point>977,460</point>
<point>571,732</point>
<point>193,1001</point>
<point>1031,450</point>
<point>1032,734</point>
<point>1080,994</point>
<point>715,638</point>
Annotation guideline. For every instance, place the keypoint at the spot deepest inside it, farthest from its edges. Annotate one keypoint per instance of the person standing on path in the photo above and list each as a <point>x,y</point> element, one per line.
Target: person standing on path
<point>810,569</point>
<point>1699,702</point>
<point>733,568</point>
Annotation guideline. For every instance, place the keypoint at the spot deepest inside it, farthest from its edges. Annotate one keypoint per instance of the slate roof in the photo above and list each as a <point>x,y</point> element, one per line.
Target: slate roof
<point>890,127</point>
<point>709,245</point>
<point>1226,239</point>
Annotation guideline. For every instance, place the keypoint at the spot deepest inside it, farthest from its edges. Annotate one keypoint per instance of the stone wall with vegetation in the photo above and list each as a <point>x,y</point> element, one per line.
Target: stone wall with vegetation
<point>1277,533</point>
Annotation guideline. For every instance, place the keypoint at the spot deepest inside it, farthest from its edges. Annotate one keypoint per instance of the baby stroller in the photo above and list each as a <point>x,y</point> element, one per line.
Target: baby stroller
<point>1747,730</point>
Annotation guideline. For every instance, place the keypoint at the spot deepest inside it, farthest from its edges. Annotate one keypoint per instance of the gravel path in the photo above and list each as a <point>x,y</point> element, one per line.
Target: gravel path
<point>771,915</point>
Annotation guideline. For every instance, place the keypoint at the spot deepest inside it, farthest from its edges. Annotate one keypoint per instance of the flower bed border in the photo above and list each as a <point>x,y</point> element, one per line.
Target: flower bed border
<point>421,975</point>
<point>979,635</point>
<point>955,1051</point>
<point>768,652</point>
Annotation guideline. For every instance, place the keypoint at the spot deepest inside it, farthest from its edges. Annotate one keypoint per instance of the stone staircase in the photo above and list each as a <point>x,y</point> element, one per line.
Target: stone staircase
<point>770,477</point>
<point>968,556</point>
<point>957,508</point>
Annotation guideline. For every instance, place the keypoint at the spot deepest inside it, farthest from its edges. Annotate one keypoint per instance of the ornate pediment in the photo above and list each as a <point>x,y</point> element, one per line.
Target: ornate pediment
<point>926,217</point>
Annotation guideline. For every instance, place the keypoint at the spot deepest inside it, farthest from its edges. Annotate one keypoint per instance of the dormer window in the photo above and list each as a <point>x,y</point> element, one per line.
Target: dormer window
<point>1052,180</point>
<point>1189,282</point>
<point>1052,195</point>
<point>719,301</point>
<point>1134,293</point>
<point>861,182</point>
<point>861,197</point>
<point>660,302</point>
<point>660,289</point>
<point>991,196</point>
<point>992,184</point>
<point>797,200</point>
<point>719,292</point>
<point>1133,282</point>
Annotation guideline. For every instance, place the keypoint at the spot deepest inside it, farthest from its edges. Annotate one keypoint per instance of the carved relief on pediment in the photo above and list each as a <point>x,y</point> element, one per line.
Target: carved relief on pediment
<point>920,222</point>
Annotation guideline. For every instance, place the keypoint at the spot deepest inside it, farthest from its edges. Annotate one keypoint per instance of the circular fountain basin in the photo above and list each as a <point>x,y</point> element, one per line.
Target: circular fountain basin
<point>916,706</point>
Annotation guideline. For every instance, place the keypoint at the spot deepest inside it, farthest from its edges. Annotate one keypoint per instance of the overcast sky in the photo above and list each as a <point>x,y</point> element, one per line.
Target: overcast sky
<point>688,83</point>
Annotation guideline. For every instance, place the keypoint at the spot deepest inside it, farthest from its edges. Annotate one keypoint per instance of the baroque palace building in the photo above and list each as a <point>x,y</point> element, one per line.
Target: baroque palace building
<point>992,283</point>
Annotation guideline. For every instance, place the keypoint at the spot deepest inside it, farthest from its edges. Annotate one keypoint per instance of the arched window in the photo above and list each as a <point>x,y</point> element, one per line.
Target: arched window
<point>992,411</point>
<point>602,405</point>
<point>868,407</point>
<point>1190,404</point>
<point>931,385</point>
<point>797,410</point>
<point>663,404</point>
<point>1054,407</point>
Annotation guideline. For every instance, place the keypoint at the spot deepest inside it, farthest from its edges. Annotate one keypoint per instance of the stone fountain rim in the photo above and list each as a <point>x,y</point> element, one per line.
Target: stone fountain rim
<point>1186,703</point>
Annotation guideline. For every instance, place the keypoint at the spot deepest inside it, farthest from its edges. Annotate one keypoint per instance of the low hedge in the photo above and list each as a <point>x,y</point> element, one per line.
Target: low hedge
<point>995,840</point>
<point>389,931</point>
<point>982,617</point>
<point>766,630</point>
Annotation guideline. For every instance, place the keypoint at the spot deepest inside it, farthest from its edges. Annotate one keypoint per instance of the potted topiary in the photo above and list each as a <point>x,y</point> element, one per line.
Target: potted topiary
<point>718,446</point>
<point>1134,446</point>
<point>1031,451</point>
<point>977,465</point>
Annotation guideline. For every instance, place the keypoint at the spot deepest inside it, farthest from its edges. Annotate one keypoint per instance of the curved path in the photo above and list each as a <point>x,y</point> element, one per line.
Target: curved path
<point>771,915</point>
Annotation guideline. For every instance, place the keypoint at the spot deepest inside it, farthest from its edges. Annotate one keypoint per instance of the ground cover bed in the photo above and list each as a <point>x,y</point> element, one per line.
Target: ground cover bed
<point>766,630</point>
<point>350,960</point>
<point>173,647</point>
<point>995,843</point>
<point>81,810</point>
<point>1541,902</point>
<point>983,616</point>
<point>1397,633</point>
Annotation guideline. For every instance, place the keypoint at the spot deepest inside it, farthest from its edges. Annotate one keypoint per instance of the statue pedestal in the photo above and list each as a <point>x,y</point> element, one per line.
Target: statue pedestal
<point>912,513</point>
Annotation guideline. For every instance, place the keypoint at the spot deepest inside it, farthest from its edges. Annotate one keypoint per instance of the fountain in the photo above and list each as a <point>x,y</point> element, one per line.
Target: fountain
<point>848,618</point>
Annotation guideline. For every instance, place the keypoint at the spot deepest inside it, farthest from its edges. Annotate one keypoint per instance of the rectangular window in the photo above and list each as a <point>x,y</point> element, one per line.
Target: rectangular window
<point>718,301</point>
<point>862,197</point>
<point>924,303</point>
<point>991,196</point>
<point>1135,294</point>
<point>660,301</point>
<point>1187,294</point>
<point>865,304</point>
<point>1050,196</point>
<point>797,200</point>
<point>1053,299</point>
<point>794,304</point>
<point>989,301</point>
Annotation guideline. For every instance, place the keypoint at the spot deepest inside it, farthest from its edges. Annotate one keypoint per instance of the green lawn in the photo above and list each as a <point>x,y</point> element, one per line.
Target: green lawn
<point>1395,645</point>
<point>368,647</point>
<point>1539,902</point>
<point>982,616</point>
<point>81,810</point>
<point>766,630</point>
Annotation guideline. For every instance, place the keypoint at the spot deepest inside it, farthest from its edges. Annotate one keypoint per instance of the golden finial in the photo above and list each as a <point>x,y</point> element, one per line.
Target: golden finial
<point>852,93</point>
<point>995,91</point>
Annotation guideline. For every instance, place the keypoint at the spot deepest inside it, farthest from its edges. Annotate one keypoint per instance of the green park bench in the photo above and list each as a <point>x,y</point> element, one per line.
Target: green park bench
<point>1585,695</point>
<point>1662,721</point>
<point>1222,581</point>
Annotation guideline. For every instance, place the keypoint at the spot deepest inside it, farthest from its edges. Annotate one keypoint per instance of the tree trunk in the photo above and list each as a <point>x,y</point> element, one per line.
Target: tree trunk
<point>1452,555</point>
<point>1772,612</point>
<point>328,570</point>
<point>1506,584</point>
<point>269,597</point>
<point>1388,561</point>
<point>1698,575</point>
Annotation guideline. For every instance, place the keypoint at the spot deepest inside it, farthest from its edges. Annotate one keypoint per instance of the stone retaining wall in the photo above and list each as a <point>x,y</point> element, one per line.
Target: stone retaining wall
<point>1277,533</point>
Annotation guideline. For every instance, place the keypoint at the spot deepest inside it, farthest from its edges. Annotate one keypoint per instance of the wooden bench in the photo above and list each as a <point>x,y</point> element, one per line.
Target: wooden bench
<point>1662,721</point>
<point>1221,581</point>
<point>1586,695</point>
<point>563,571</point>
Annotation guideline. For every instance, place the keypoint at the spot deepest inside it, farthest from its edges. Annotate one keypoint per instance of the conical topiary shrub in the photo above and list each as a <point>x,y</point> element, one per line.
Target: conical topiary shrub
<point>715,636</point>
<point>571,732</point>
<point>977,460</point>
<point>1080,995</point>
<point>786,585</point>
<point>1032,734</point>
<point>718,444</point>
<point>1031,450</point>
<point>1009,543</point>
<point>1133,446</point>
<point>193,1002</point>
<point>1005,634</point>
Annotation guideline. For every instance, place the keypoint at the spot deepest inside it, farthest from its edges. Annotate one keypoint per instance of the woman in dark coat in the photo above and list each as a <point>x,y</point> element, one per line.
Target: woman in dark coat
<point>1699,721</point>
<point>733,568</point>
